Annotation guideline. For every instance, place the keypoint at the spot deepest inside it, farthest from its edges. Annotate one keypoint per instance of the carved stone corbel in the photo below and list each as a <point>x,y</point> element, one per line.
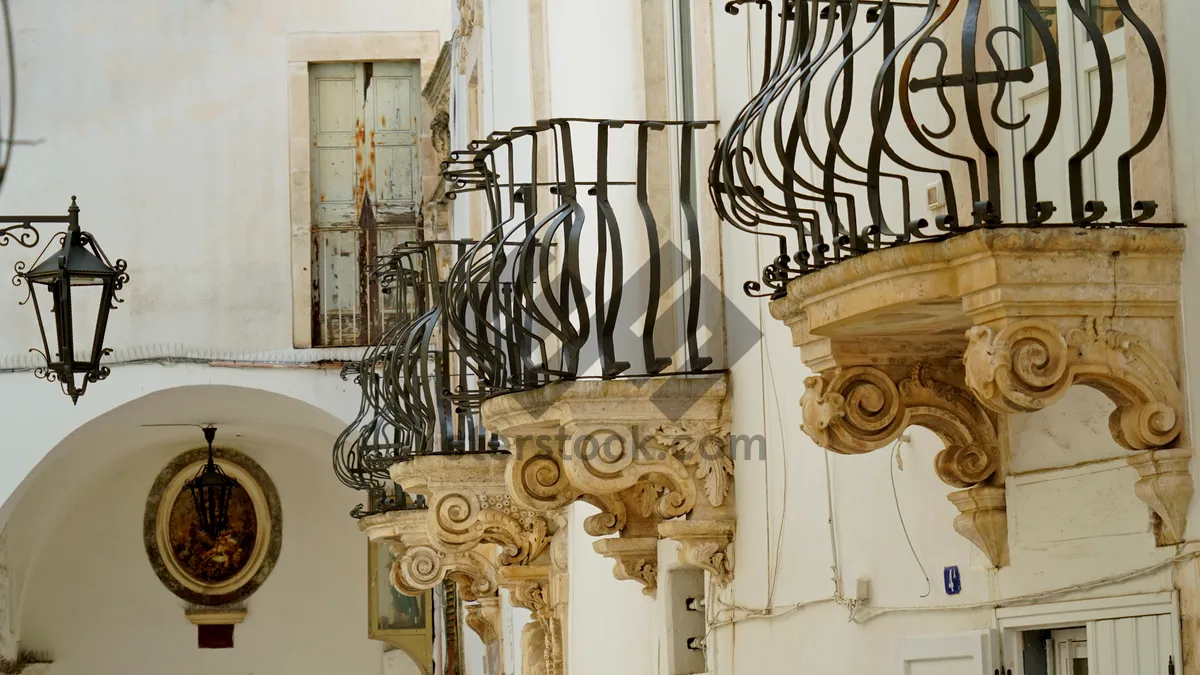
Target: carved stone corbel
<point>859,409</point>
<point>1028,365</point>
<point>1042,309</point>
<point>484,618</point>
<point>420,566</point>
<point>469,506</point>
<point>471,512</point>
<point>983,520</point>
<point>1166,487</point>
<point>529,587</point>
<point>644,452</point>
<point>706,544</point>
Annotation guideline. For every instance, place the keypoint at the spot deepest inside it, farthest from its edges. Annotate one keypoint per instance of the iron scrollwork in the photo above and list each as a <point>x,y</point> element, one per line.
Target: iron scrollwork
<point>785,169</point>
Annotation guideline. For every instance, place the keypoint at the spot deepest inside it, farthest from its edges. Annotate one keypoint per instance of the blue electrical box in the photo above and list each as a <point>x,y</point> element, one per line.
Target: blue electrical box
<point>953,581</point>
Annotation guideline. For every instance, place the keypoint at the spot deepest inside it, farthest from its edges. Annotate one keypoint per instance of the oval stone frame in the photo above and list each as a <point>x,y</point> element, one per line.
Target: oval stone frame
<point>268,542</point>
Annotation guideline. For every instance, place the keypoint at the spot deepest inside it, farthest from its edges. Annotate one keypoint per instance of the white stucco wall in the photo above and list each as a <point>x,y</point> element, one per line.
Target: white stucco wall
<point>89,597</point>
<point>170,123</point>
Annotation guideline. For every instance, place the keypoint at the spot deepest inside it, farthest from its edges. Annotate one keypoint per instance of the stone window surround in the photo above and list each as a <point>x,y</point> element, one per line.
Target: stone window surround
<point>306,48</point>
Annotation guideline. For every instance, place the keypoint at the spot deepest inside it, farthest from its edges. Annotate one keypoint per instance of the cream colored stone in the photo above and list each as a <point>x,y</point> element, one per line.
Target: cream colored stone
<point>484,618</point>
<point>1005,320</point>
<point>471,514</point>
<point>215,617</point>
<point>1166,487</point>
<point>860,409</point>
<point>420,566</point>
<point>983,520</point>
<point>609,443</point>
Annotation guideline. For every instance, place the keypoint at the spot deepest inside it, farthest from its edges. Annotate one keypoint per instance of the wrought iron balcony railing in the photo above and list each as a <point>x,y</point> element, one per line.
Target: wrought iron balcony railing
<point>548,293</point>
<point>405,378</point>
<point>865,103</point>
<point>577,266</point>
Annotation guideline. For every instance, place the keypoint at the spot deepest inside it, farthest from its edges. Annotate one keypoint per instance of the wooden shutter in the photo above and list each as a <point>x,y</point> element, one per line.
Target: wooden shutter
<point>393,122</point>
<point>1143,645</point>
<point>969,653</point>
<point>365,189</point>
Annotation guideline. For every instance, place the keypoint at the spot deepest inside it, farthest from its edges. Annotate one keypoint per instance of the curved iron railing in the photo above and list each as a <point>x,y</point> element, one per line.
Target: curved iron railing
<point>404,411</point>
<point>857,107</point>
<point>550,292</point>
<point>547,293</point>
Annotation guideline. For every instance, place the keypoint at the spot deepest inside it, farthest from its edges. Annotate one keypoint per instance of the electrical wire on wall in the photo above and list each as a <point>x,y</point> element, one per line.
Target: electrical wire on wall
<point>897,463</point>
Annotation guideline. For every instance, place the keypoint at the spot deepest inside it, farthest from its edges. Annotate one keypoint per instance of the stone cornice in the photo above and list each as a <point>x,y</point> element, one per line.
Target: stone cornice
<point>437,89</point>
<point>913,261</point>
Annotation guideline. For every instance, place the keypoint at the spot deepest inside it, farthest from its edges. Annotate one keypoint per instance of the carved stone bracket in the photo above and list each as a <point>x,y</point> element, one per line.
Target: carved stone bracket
<point>469,506</point>
<point>470,513</point>
<point>705,544</point>
<point>863,408</point>
<point>983,520</point>
<point>1166,487</point>
<point>420,566</point>
<point>1028,365</point>
<point>634,558</point>
<point>529,586</point>
<point>1028,313</point>
<point>643,452</point>
<point>484,618</point>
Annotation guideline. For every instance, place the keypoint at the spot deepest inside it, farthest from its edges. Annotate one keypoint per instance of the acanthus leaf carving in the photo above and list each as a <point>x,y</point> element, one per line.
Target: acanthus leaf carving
<point>706,544</point>
<point>703,446</point>
<point>1028,365</point>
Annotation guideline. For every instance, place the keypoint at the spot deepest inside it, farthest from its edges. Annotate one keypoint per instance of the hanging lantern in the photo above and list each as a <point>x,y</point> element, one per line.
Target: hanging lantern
<point>73,291</point>
<point>211,490</point>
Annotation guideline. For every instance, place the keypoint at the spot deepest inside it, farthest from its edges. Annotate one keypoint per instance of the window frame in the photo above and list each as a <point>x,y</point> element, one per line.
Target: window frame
<point>302,50</point>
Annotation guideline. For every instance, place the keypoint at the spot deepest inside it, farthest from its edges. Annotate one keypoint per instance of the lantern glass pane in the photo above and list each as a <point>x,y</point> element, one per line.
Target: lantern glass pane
<point>85,311</point>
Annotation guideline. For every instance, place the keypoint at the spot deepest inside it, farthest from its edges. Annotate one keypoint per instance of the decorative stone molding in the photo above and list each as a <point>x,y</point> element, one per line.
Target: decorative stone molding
<point>705,544</point>
<point>643,451</point>
<point>471,514</point>
<point>484,618</point>
<point>983,520</point>
<point>469,505</point>
<point>1166,487</point>
<point>529,587</point>
<point>863,408</point>
<point>470,16</point>
<point>1006,320</point>
<point>859,409</point>
<point>634,558</point>
<point>435,210</point>
<point>420,566</point>
<point>1028,365</point>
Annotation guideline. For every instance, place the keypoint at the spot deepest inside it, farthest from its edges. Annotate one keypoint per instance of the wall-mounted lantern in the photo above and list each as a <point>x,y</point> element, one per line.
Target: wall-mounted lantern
<point>72,290</point>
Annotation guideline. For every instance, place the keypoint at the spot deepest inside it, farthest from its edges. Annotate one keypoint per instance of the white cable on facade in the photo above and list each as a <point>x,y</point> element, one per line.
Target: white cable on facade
<point>895,460</point>
<point>873,612</point>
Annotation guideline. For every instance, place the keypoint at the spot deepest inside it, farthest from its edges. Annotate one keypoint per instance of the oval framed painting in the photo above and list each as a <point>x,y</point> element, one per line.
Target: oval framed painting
<point>195,566</point>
